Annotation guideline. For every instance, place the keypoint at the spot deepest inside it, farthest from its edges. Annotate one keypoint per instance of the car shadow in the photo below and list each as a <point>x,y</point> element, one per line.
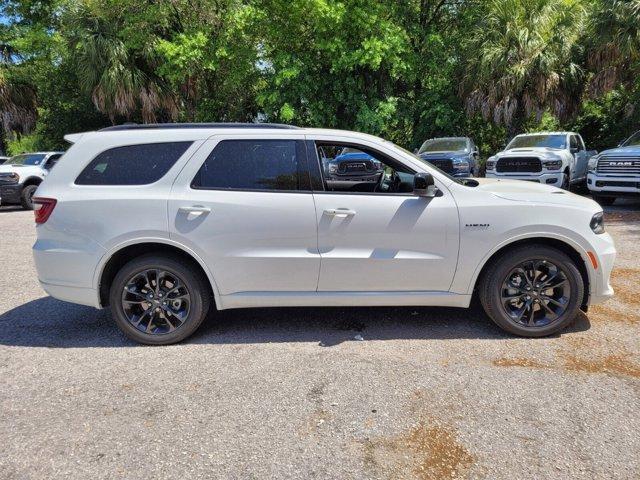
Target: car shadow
<point>11,208</point>
<point>50,323</point>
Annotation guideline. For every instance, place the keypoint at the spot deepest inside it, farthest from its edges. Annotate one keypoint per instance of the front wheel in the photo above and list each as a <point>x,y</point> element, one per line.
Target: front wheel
<point>533,291</point>
<point>158,300</point>
<point>566,182</point>
<point>26,197</point>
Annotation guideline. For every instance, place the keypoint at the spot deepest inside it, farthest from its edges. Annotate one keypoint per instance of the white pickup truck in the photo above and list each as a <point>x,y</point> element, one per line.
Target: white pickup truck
<point>21,175</point>
<point>552,158</point>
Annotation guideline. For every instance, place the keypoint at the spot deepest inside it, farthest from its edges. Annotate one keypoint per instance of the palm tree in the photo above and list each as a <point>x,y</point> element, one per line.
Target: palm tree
<point>121,82</point>
<point>520,61</point>
<point>18,112</point>
<point>615,46</point>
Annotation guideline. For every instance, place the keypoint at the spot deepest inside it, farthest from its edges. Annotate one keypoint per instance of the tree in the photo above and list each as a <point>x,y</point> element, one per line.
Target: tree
<point>520,61</point>
<point>614,40</point>
<point>120,78</point>
<point>18,101</point>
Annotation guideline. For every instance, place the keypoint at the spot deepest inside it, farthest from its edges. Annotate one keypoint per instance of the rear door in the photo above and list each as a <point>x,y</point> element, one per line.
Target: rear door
<point>244,205</point>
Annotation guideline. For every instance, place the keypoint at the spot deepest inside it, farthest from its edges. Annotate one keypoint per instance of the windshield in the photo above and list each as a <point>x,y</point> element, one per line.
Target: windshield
<point>443,145</point>
<point>27,159</point>
<point>632,141</point>
<point>530,141</point>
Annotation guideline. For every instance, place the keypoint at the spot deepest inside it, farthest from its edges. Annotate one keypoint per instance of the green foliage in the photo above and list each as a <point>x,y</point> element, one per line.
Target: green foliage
<point>407,71</point>
<point>24,143</point>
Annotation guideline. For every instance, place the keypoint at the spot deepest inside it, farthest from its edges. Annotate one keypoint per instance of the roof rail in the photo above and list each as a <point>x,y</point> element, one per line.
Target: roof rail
<point>151,126</point>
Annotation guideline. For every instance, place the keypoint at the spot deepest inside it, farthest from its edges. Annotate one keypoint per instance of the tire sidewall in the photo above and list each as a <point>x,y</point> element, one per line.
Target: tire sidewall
<point>26,197</point>
<point>493,298</point>
<point>193,283</point>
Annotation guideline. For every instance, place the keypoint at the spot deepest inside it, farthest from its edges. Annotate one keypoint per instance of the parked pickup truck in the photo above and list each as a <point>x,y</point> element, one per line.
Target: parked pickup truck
<point>553,158</point>
<point>616,172</point>
<point>21,175</point>
<point>457,156</point>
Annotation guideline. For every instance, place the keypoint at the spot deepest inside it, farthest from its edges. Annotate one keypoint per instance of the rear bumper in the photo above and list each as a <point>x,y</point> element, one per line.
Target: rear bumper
<point>613,185</point>
<point>10,193</point>
<point>82,296</point>
<point>545,178</point>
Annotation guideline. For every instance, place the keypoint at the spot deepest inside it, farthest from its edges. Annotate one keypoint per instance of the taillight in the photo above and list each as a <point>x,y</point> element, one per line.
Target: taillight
<point>43,207</point>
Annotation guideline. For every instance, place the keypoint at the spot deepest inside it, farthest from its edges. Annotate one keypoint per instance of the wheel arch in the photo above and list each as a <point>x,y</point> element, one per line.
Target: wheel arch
<point>32,181</point>
<point>115,259</point>
<point>571,250</point>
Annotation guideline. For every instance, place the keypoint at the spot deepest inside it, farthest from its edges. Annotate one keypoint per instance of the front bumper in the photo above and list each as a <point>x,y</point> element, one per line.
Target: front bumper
<point>10,193</point>
<point>614,185</point>
<point>601,289</point>
<point>554,178</point>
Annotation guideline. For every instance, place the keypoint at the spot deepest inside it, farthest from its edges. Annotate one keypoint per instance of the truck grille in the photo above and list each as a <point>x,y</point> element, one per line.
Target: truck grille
<point>444,164</point>
<point>356,166</point>
<point>519,165</point>
<point>619,165</point>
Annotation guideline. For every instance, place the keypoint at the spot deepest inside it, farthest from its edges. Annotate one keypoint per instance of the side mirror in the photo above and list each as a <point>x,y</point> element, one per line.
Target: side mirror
<point>423,185</point>
<point>574,149</point>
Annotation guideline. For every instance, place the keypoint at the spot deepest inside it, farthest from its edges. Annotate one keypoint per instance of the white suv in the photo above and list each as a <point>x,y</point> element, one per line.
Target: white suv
<point>163,222</point>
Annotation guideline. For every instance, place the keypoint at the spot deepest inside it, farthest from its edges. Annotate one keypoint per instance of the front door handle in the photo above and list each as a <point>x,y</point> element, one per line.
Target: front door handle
<point>339,212</point>
<point>195,210</point>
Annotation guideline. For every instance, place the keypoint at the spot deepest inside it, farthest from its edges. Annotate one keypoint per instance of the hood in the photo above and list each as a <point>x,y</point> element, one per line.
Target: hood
<point>19,169</point>
<point>622,151</point>
<point>440,153</point>
<point>522,191</point>
<point>353,156</point>
<point>543,151</point>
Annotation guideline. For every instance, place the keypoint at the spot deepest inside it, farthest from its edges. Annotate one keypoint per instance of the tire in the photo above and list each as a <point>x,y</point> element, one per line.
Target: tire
<point>157,331</point>
<point>566,182</point>
<point>492,288</point>
<point>26,196</point>
<point>604,201</point>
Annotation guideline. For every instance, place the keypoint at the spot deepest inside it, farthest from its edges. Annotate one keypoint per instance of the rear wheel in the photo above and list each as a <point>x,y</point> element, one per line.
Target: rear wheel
<point>26,197</point>
<point>158,300</point>
<point>533,291</point>
<point>604,201</point>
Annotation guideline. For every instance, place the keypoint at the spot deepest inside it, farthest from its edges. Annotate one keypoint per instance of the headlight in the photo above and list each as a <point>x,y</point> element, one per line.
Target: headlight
<point>490,165</point>
<point>597,223</point>
<point>333,168</point>
<point>461,165</point>
<point>10,177</point>
<point>593,163</point>
<point>552,164</point>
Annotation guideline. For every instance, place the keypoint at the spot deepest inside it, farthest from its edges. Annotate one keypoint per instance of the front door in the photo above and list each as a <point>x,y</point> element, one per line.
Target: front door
<point>373,233</point>
<point>245,206</point>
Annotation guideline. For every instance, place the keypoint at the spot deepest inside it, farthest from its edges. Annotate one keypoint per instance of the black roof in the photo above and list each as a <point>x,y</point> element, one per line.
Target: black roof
<point>151,126</point>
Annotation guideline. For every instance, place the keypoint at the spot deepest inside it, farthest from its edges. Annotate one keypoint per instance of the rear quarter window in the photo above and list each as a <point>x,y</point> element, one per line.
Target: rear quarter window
<point>132,164</point>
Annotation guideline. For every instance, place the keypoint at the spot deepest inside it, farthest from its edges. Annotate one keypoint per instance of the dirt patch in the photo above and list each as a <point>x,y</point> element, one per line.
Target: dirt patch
<point>426,451</point>
<point>518,362</point>
<point>622,217</point>
<point>612,365</point>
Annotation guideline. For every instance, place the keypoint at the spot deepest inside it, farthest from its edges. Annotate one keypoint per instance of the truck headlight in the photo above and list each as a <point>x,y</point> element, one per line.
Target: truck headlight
<point>597,223</point>
<point>490,165</point>
<point>462,166</point>
<point>552,164</point>
<point>333,168</point>
<point>593,163</point>
<point>10,177</point>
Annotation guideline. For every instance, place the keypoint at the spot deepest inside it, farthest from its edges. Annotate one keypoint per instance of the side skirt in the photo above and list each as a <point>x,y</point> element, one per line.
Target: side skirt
<point>343,299</point>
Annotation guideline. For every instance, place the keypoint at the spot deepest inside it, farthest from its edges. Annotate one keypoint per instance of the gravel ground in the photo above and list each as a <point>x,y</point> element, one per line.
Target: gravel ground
<point>289,393</point>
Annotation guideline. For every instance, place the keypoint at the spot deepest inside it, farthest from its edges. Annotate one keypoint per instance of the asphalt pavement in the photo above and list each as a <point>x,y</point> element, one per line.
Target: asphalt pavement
<point>295,393</point>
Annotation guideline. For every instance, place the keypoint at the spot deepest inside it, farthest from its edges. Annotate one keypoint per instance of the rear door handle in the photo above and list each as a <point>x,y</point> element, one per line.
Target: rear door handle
<point>339,212</point>
<point>196,209</point>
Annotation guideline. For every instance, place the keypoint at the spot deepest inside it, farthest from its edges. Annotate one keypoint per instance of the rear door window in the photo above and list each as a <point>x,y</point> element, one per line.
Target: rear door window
<point>278,165</point>
<point>132,164</point>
